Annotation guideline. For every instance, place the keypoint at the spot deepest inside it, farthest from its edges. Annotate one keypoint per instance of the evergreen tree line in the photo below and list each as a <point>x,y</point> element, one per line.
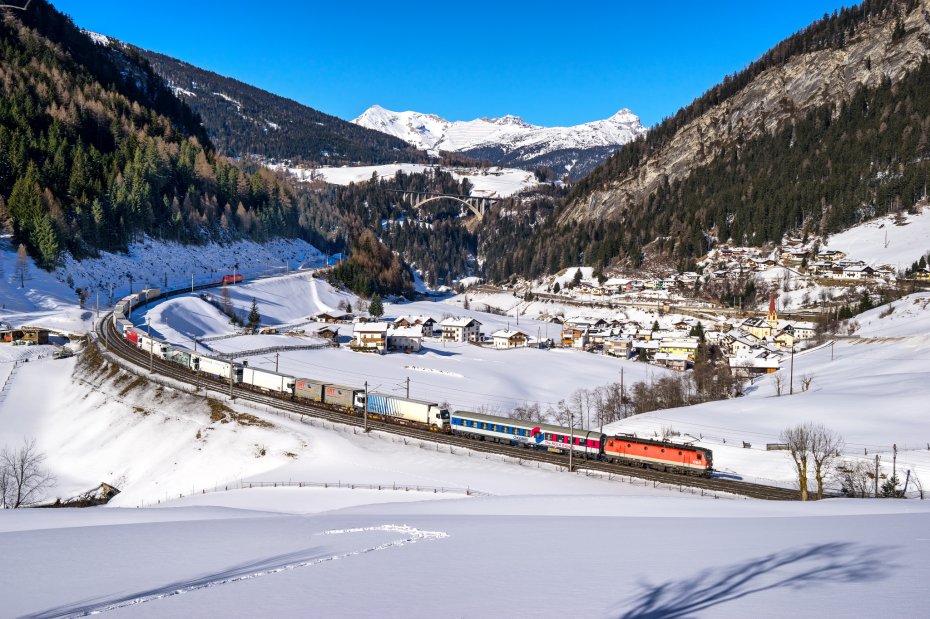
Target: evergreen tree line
<point>87,165</point>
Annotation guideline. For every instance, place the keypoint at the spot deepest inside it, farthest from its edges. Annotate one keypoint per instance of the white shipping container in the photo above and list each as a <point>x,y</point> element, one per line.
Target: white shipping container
<point>268,380</point>
<point>215,367</point>
<point>150,293</point>
<point>418,411</point>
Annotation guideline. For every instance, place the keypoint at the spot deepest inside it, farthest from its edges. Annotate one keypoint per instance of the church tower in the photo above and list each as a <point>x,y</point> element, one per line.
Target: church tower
<point>773,315</point>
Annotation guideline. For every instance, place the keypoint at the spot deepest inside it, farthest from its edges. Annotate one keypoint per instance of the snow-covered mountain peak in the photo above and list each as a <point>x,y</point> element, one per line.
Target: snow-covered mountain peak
<point>509,139</point>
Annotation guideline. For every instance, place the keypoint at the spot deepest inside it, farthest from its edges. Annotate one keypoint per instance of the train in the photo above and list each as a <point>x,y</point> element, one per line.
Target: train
<point>625,449</point>
<point>231,279</point>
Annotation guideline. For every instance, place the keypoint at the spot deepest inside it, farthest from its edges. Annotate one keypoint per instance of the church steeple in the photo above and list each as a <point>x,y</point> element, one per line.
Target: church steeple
<point>773,315</point>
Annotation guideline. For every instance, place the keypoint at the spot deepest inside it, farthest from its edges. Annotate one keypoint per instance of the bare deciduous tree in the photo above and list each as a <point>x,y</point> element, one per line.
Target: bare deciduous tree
<point>825,446</point>
<point>798,441</point>
<point>22,265</point>
<point>806,381</point>
<point>855,477</point>
<point>779,383</point>
<point>23,476</point>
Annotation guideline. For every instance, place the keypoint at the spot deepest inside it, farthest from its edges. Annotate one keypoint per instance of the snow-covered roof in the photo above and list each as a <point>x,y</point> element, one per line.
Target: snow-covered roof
<point>458,321</point>
<point>405,332</point>
<point>370,327</point>
<point>507,333</point>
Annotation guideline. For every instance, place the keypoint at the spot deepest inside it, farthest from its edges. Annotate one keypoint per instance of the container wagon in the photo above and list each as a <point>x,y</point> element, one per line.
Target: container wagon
<point>420,412</point>
<point>153,345</point>
<point>266,380</point>
<point>307,389</point>
<point>181,357</point>
<point>149,294</point>
<point>217,367</point>
<point>341,396</point>
<point>132,334</point>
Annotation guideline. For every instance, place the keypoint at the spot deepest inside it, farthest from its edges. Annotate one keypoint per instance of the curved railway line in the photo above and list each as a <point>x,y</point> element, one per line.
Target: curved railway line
<point>119,346</point>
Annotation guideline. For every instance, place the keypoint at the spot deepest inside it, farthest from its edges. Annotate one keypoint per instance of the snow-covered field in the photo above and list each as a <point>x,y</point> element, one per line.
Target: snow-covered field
<point>872,387</point>
<point>882,241</point>
<point>492,182</point>
<point>366,552</point>
<point>527,556</point>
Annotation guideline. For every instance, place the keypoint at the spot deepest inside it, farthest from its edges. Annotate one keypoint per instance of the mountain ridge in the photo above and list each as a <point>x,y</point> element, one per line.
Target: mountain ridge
<point>510,140</point>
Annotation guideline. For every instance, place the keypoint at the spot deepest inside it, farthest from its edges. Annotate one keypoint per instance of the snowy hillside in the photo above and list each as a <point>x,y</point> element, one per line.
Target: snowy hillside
<point>886,240</point>
<point>510,137</point>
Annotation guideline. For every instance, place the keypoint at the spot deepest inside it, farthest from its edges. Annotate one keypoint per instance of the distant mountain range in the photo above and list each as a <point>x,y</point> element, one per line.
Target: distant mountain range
<point>510,140</point>
<point>244,120</point>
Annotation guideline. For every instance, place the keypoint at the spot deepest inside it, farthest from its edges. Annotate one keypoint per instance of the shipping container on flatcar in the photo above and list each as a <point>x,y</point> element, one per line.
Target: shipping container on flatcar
<point>404,409</point>
<point>308,389</point>
<point>266,380</point>
<point>340,395</point>
<point>153,345</point>
<point>180,356</point>
<point>149,294</point>
<point>218,367</point>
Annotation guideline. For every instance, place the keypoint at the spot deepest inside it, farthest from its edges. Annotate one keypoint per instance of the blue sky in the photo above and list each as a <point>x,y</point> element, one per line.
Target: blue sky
<point>550,63</point>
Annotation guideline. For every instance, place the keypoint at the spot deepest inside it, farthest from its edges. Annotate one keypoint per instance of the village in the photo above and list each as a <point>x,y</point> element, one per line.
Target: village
<point>750,346</point>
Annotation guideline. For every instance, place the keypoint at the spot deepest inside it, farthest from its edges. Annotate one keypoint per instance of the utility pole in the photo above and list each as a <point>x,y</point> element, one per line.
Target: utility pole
<point>231,396</point>
<point>148,323</point>
<point>876,475</point>
<point>622,393</point>
<point>365,407</point>
<point>571,444</point>
<point>408,387</point>
<point>192,282</point>
<point>791,388</point>
<point>831,349</point>
<point>894,464</point>
<point>276,355</point>
<point>98,302</point>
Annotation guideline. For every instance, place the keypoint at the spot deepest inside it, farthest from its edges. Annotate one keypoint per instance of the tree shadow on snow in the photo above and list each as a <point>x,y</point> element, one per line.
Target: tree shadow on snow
<point>243,571</point>
<point>789,569</point>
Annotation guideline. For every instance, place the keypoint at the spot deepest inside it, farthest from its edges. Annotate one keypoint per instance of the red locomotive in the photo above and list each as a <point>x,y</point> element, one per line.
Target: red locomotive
<point>232,279</point>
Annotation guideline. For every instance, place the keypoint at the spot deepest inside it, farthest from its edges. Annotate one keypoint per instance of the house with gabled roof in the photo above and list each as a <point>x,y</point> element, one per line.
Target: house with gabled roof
<point>460,329</point>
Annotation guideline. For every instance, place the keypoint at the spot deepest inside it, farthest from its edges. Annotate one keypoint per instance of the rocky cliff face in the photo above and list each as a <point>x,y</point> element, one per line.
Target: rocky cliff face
<point>880,50</point>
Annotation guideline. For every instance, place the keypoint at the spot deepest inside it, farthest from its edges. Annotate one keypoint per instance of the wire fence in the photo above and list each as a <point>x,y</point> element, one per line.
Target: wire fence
<point>392,487</point>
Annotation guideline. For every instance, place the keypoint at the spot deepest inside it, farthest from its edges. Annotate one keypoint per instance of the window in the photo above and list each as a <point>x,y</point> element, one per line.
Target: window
<point>548,436</point>
<point>679,453</point>
<point>663,451</point>
<point>699,456</point>
<point>628,445</point>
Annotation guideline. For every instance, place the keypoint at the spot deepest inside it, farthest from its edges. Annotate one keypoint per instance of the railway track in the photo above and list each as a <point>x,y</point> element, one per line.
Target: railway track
<point>119,346</point>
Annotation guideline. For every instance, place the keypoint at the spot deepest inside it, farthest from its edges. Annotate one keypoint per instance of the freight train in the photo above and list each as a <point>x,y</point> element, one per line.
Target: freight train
<point>587,444</point>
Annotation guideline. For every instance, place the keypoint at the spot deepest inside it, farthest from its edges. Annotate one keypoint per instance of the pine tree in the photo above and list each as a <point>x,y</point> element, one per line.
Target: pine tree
<point>254,317</point>
<point>556,288</point>
<point>45,240</point>
<point>376,307</point>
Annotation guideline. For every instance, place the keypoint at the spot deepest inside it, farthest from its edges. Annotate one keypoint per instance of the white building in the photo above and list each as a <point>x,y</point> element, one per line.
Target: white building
<point>506,338</point>
<point>406,339</point>
<point>460,329</point>
<point>370,336</point>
